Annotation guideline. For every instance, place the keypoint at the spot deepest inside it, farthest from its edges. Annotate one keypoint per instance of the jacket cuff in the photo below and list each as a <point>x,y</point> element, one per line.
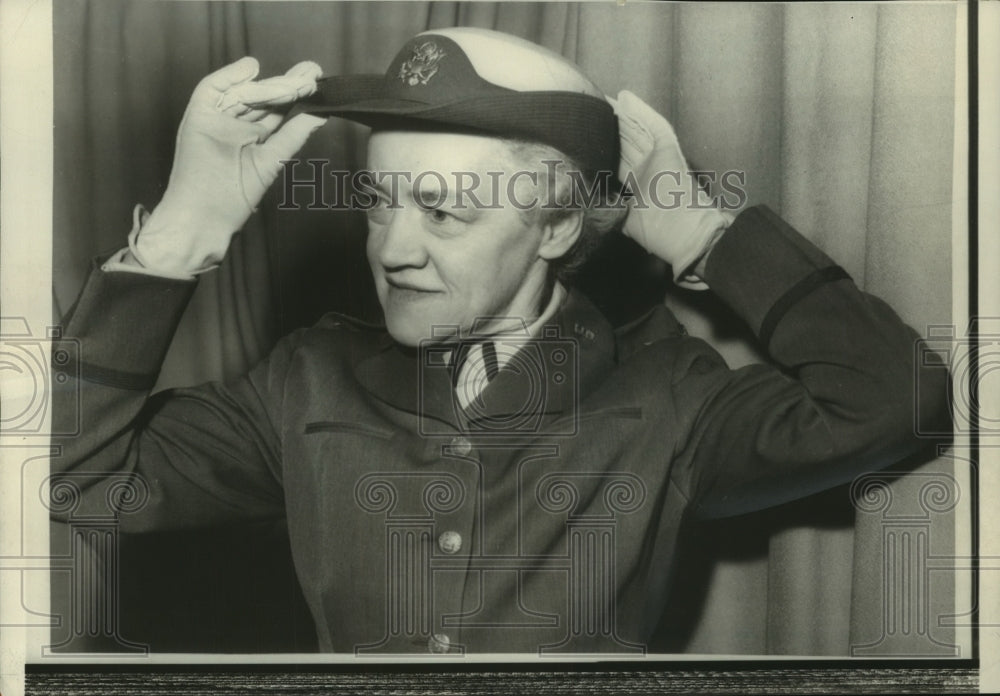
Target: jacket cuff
<point>761,267</point>
<point>123,324</point>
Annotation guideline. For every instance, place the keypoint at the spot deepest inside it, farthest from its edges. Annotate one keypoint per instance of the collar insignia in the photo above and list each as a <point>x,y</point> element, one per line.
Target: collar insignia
<point>422,65</point>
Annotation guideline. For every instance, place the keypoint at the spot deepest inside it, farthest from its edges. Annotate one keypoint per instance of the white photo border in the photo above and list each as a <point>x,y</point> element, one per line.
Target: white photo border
<point>25,275</point>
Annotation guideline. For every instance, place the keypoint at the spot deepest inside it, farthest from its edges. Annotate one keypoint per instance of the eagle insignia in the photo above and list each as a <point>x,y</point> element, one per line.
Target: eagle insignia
<point>422,65</point>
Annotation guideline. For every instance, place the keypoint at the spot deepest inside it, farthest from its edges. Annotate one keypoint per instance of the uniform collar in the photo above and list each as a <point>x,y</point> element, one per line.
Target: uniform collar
<point>572,353</point>
<point>507,342</point>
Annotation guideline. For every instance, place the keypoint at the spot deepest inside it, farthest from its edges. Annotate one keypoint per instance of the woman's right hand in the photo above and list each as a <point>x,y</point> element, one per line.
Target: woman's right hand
<point>229,152</point>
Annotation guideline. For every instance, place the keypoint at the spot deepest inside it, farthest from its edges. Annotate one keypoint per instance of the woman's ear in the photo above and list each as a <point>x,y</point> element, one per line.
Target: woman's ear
<point>559,233</point>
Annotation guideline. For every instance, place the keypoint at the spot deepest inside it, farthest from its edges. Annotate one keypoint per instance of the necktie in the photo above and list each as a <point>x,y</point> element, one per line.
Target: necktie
<point>472,365</point>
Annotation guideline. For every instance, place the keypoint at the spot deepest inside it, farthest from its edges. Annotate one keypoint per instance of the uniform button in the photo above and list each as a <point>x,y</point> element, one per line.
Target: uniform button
<point>439,643</point>
<point>450,542</point>
<point>461,445</point>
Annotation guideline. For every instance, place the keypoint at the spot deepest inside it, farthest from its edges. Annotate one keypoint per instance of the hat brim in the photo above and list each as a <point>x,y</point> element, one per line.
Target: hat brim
<point>583,127</point>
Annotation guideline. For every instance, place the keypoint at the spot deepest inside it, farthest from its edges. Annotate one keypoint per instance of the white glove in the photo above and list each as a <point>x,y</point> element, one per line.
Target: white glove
<point>229,151</point>
<point>675,231</point>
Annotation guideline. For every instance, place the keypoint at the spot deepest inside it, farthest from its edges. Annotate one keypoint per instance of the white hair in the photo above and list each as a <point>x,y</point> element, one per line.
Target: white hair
<point>560,195</point>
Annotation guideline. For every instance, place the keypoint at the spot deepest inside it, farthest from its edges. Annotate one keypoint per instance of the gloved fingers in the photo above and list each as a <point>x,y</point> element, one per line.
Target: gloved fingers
<point>230,105</point>
<point>636,110</point>
<point>627,118</point>
<point>214,85</point>
<point>642,140</point>
<point>224,127</point>
<point>289,139</point>
<point>263,162</point>
<point>630,150</point>
<point>306,68</point>
<point>268,123</point>
<point>256,115</point>
<point>634,147</point>
<point>634,134</point>
<point>635,140</point>
<point>274,91</point>
<point>250,115</point>
<point>298,82</point>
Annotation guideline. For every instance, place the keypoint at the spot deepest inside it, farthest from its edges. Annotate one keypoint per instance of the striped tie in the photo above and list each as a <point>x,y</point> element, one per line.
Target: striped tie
<point>472,350</point>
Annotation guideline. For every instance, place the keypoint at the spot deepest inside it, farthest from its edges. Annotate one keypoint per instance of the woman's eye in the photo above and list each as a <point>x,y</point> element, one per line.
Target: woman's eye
<point>445,224</point>
<point>438,215</point>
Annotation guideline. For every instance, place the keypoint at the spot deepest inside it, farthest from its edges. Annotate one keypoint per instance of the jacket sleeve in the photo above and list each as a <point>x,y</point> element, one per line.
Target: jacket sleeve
<point>179,458</point>
<point>851,390</point>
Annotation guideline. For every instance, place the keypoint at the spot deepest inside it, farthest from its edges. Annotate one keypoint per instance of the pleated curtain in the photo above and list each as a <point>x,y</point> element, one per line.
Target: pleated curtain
<point>841,115</point>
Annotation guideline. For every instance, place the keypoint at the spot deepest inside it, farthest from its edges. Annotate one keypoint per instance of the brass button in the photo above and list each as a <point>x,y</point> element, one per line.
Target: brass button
<point>439,643</point>
<point>450,542</point>
<point>461,445</point>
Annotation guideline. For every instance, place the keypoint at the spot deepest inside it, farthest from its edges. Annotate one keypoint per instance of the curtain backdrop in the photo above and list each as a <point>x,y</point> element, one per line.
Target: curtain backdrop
<point>841,116</point>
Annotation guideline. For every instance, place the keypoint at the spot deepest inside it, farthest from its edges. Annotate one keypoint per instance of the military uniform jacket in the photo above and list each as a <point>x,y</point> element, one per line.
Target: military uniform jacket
<point>546,517</point>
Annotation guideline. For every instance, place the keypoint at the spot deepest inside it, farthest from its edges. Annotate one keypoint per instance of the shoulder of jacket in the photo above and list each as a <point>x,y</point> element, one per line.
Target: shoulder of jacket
<point>335,333</point>
<point>658,341</point>
<point>657,324</point>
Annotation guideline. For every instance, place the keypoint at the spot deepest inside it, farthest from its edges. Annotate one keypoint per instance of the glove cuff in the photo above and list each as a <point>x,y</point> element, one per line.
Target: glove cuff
<point>711,226</point>
<point>146,242</point>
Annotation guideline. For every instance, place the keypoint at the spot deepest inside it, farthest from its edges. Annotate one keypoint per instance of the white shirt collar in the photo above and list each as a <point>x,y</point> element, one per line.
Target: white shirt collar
<point>508,339</point>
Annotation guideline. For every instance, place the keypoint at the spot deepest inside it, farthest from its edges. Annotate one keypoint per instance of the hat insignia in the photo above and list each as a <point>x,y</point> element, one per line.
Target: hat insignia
<point>422,65</point>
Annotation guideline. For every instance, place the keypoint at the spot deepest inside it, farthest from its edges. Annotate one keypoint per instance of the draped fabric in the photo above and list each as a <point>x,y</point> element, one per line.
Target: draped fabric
<point>840,115</point>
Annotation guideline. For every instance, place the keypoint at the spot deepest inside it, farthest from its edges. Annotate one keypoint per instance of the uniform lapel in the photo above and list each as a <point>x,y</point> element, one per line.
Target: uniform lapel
<point>547,378</point>
<point>415,380</point>
<point>544,381</point>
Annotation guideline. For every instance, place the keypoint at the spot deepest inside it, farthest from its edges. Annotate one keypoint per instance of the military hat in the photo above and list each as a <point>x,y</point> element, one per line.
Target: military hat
<point>485,82</point>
